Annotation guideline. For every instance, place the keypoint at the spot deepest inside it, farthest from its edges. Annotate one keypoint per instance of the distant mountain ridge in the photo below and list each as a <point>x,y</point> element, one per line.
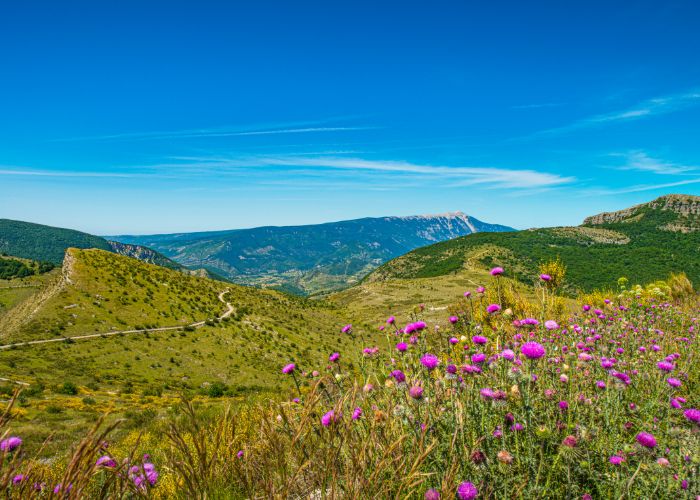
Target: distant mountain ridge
<point>310,258</point>
<point>644,243</point>
<point>42,243</point>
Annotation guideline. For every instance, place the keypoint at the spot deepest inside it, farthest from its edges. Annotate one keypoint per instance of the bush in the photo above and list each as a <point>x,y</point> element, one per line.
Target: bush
<point>68,388</point>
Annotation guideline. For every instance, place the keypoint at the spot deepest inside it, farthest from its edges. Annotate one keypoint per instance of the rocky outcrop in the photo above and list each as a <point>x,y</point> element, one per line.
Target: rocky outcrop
<point>687,207</point>
<point>144,254</point>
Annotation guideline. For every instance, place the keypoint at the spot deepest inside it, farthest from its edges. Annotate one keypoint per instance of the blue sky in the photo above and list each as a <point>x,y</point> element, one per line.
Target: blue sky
<point>143,117</point>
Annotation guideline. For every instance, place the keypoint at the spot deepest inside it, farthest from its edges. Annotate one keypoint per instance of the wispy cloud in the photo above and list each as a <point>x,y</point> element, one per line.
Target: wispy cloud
<point>640,161</point>
<point>650,107</point>
<point>25,172</point>
<point>638,188</point>
<point>451,176</point>
<point>302,127</point>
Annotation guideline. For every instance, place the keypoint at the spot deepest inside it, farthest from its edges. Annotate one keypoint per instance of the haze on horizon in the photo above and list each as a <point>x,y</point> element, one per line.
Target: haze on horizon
<point>160,118</point>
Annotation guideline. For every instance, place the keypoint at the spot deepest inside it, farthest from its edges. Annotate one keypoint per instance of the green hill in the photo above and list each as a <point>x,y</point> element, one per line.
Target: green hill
<point>643,243</point>
<point>43,243</point>
<point>48,245</point>
<point>101,294</point>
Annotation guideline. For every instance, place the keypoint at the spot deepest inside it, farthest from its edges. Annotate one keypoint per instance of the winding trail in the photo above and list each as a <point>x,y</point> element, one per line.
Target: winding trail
<point>226,314</point>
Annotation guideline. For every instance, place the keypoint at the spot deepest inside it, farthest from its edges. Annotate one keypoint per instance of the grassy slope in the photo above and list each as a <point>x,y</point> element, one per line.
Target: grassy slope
<point>109,292</point>
<point>15,291</point>
<point>595,256</point>
<point>141,375</point>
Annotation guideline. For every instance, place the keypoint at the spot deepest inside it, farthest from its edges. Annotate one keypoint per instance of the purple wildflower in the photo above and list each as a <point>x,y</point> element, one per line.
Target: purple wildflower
<point>430,361</point>
<point>532,350</point>
<point>10,443</point>
<point>467,491</point>
<point>106,461</point>
<point>432,494</point>
<point>329,418</point>
<point>692,414</point>
<point>646,439</point>
<point>416,392</point>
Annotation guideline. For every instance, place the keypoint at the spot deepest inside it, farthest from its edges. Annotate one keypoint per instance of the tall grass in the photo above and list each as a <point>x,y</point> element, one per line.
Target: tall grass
<point>596,402</point>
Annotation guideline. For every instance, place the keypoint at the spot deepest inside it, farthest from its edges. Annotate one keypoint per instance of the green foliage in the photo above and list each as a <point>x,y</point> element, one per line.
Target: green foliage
<point>68,388</point>
<point>43,243</point>
<point>641,248</point>
<point>14,268</point>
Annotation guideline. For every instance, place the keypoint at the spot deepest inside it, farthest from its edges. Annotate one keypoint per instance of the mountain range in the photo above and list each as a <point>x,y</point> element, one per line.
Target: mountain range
<point>311,258</point>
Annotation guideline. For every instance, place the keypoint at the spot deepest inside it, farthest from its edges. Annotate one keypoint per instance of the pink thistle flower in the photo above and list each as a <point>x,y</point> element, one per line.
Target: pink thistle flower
<point>467,491</point>
<point>665,366</point>
<point>532,350</point>
<point>497,271</point>
<point>616,459</point>
<point>693,415</point>
<point>401,347</point>
<point>551,324</point>
<point>673,382</point>
<point>329,418</point>
<point>545,277</point>
<point>334,357</point>
<point>416,392</point>
<point>646,439</point>
<point>479,339</point>
<point>479,357</point>
<point>10,443</point>
<point>106,461</point>
<point>493,308</point>
<point>357,413</point>
<point>346,329</point>
<point>432,494</point>
<point>570,441</point>
<point>287,369</point>
<point>430,361</point>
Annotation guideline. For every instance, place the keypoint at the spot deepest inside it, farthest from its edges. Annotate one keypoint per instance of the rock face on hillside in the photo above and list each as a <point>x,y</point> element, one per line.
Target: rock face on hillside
<point>685,207</point>
<point>144,254</point>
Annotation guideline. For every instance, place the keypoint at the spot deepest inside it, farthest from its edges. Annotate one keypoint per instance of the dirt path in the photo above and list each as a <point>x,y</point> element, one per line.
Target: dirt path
<point>226,314</point>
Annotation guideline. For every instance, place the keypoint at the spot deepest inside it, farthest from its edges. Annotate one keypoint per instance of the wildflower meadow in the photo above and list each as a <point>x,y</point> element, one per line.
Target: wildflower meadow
<point>507,397</point>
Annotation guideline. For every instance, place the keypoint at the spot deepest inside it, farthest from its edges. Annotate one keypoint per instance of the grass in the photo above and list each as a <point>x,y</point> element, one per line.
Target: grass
<point>394,425</point>
<point>140,372</point>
